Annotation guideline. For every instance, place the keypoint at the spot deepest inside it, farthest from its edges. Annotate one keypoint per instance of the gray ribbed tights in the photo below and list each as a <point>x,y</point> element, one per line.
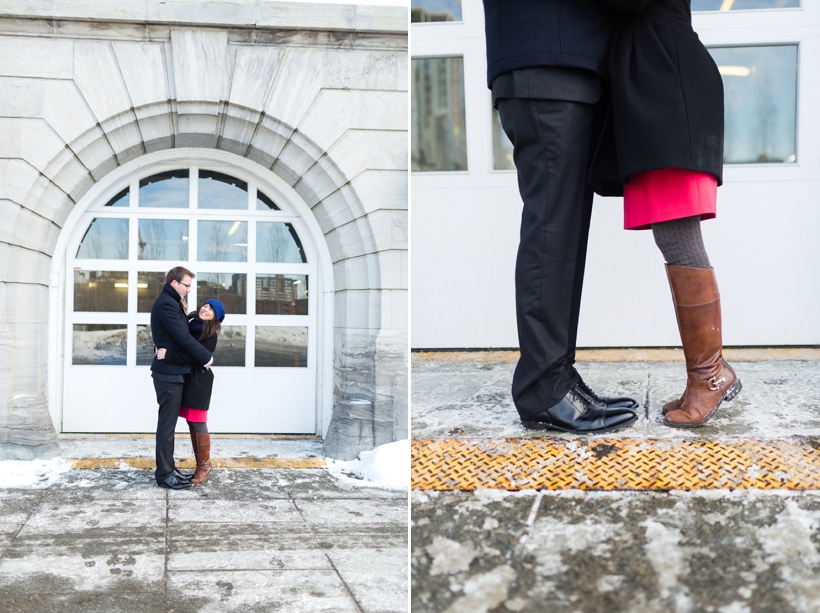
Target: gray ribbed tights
<point>681,242</point>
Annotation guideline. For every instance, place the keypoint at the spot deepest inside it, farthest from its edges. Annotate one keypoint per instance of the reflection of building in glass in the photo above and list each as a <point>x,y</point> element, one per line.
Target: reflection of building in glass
<point>439,138</point>
<point>281,294</point>
<point>425,11</point>
<point>231,289</point>
<point>100,291</point>
<point>421,15</point>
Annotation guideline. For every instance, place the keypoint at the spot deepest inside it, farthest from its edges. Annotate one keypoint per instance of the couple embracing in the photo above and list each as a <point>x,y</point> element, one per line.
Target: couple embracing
<point>619,97</point>
<point>183,343</point>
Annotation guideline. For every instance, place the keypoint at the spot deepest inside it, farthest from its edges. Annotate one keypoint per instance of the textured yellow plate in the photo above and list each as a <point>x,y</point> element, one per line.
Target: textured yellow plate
<point>615,464</point>
<point>92,463</point>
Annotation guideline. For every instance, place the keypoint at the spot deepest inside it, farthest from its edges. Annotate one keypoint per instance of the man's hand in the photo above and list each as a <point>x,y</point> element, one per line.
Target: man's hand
<point>208,365</point>
<point>161,353</point>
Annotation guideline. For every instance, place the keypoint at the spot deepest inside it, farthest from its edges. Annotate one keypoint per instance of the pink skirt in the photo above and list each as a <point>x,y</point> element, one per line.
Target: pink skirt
<point>666,194</point>
<point>195,415</point>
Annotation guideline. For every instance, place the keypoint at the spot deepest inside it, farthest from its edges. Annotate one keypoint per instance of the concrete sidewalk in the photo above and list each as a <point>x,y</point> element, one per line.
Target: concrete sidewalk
<point>567,549</point>
<point>247,540</point>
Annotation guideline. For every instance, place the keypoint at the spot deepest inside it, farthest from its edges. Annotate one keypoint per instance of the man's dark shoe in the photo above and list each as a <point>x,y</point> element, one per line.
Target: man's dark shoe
<point>181,476</point>
<point>172,483</point>
<point>610,402</point>
<point>579,414</point>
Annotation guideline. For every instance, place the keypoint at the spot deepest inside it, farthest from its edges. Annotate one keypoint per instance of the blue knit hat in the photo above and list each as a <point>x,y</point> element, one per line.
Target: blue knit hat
<point>218,307</point>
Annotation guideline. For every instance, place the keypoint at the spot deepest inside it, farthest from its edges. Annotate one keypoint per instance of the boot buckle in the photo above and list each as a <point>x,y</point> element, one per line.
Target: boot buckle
<point>715,383</point>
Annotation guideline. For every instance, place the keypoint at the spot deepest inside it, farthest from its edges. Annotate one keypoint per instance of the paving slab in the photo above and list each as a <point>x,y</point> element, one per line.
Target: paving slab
<point>248,539</point>
<point>225,591</point>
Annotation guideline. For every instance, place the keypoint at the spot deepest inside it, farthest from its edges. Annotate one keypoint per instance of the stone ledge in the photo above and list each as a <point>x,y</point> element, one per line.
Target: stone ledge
<point>228,13</point>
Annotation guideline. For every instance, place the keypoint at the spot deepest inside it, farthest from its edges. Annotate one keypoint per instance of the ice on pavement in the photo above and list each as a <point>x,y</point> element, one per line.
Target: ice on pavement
<point>386,466</point>
<point>31,473</point>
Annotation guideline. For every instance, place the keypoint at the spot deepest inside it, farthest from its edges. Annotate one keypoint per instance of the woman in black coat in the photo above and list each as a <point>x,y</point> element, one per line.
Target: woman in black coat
<point>204,326</point>
<point>667,120</point>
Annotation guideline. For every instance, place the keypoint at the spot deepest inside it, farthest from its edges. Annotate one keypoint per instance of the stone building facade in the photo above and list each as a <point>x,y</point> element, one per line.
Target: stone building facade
<point>308,99</point>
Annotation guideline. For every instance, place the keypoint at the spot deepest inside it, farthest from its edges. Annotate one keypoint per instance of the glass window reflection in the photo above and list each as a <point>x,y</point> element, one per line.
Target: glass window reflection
<point>145,346</point>
<point>163,239</point>
<point>149,286</point>
<point>230,346</point>
<point>165,190</point>
<point>439,135</point>
<point>502,147</point>
<point>100,291</point>
<point>99,344</point>
<point>424,11</point>
<point>760,91</point>
<point>223,241</point>
<point>220,191</point>
<point>105,239</point>
<point>278,242</point>
<point>742,5</point>
<point>231,289</point>
<point>281,346</point>
<point>263,203</point>
<point>121,199</point>
<point>281,294</point>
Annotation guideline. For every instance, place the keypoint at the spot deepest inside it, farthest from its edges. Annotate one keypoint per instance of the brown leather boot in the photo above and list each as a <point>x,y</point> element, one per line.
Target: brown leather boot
<point>672,405</point>
<point>203,457</point>
<point>710,380</point>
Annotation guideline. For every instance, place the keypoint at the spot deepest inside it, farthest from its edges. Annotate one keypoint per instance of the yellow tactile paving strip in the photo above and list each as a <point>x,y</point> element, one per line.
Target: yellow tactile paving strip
<point>99,463</point>
<point>614,464</point>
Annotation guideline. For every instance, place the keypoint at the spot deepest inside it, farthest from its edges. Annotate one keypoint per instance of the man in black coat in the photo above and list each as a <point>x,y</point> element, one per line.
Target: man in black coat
<point>545,63</point>
<point>169,328</point>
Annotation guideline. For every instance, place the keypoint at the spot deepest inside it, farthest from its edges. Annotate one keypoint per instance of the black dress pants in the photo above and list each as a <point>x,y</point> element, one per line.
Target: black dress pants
<point>551,147</point>
<point>169,397</point>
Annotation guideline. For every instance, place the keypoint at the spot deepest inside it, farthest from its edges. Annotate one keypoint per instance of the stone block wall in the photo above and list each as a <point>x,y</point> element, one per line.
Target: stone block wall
<point>315,93</point>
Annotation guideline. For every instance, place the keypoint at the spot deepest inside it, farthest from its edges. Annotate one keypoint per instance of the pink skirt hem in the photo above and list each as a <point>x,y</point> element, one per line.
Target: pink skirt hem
<point>666,194</point>
<point>195,415</point>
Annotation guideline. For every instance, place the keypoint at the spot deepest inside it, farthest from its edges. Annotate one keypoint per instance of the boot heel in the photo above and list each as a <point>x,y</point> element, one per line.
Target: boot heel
<point>733,390</point>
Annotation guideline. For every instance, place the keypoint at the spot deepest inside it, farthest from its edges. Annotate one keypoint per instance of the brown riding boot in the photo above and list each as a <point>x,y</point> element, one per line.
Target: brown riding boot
<point>710,380</point>
<point>203,457</point>
<point>673,405</point>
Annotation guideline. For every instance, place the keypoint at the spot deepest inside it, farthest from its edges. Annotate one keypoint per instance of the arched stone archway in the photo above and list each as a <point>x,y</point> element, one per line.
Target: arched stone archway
<point>330,122</point>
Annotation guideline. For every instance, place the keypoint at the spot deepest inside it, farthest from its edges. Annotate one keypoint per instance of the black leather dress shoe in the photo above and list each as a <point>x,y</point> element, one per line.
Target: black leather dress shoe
<point>182,476</point>
<point>172,483</point>
<point>611,402</point>
<point>577,413</point>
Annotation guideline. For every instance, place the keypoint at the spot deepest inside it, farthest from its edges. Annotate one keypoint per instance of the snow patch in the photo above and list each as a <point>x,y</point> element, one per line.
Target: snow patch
<point>386,466</point>
<point>449,557</point>
<point>485,591</point>
<point>788,544</point>
<point>31,473</point>
<point>551,538</point>
<point>665,555</point>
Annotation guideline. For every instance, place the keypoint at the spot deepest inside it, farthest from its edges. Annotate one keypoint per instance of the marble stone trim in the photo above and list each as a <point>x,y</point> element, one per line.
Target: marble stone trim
<point>259,37</point>
<point>100,96</point>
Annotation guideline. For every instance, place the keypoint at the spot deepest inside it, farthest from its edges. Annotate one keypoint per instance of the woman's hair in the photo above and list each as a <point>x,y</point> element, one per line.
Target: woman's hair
<point>209,327</point>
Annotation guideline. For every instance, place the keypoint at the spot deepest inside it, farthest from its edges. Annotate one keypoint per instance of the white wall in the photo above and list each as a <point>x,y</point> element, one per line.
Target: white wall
<point>763,244</point>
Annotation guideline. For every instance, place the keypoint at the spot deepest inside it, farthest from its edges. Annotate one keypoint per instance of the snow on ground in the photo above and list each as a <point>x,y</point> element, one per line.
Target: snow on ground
<point>386,466</point>
<point>31,473</point>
